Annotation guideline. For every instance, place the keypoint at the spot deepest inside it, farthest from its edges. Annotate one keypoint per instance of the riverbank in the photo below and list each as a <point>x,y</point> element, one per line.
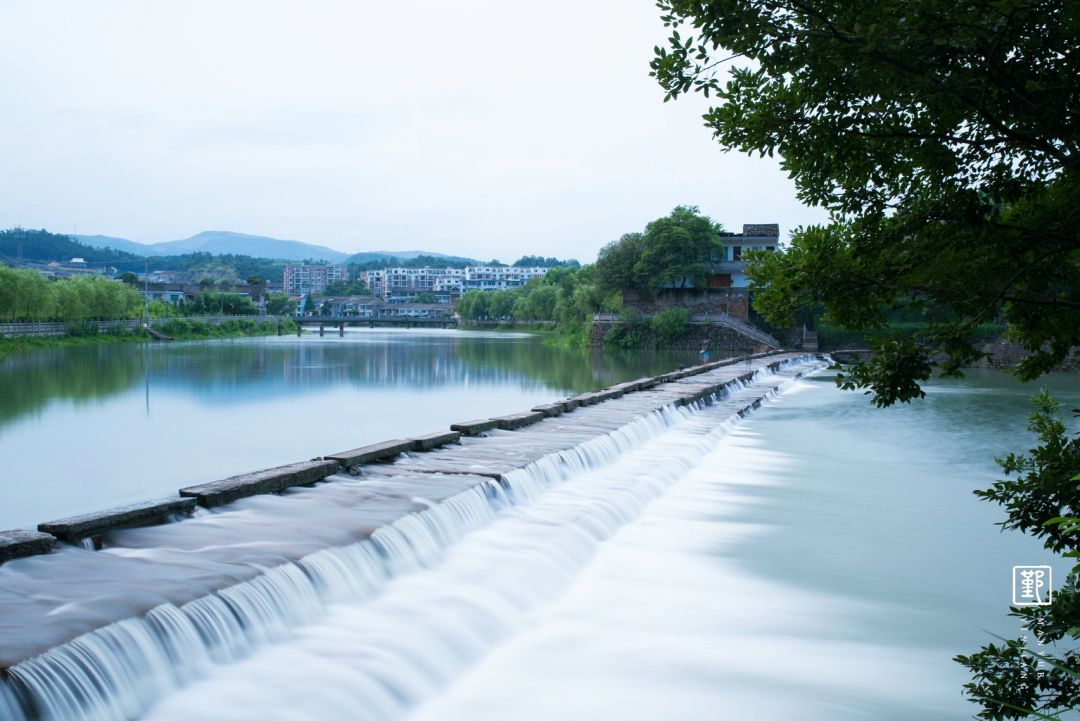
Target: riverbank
<point>552,334</point>
<point>177,329</point>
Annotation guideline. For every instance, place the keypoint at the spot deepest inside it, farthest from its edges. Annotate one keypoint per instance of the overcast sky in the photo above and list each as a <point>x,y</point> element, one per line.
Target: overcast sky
<point>483,128</point>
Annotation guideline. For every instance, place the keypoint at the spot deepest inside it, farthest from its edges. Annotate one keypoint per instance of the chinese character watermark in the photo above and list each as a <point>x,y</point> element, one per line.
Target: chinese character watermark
<point>1032,585</point>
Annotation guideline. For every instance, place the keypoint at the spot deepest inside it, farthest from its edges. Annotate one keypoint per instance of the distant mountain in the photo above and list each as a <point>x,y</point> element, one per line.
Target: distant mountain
<point>122,244</point>
<point>220,242</point>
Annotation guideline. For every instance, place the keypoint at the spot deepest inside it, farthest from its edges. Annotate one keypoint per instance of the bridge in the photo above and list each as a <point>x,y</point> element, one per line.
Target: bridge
<point>340,321</point>
<point>102,614</point>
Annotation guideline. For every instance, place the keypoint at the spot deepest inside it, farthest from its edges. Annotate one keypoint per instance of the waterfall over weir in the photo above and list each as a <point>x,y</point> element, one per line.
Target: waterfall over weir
<point>373,628</point>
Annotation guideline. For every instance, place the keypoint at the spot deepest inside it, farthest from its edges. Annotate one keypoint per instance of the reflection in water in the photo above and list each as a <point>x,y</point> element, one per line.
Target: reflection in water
<point>218,370</point>
<point>122,423</point>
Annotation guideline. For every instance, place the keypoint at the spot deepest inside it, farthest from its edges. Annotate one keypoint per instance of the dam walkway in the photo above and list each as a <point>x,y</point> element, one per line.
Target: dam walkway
<point>105,629</point>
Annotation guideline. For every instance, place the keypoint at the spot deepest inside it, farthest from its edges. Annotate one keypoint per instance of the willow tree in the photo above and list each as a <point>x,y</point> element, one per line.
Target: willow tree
<point>942,138</point>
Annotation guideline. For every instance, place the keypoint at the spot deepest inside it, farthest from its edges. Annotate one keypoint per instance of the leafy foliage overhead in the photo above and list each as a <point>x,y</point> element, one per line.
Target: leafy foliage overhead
<point>942,136</point>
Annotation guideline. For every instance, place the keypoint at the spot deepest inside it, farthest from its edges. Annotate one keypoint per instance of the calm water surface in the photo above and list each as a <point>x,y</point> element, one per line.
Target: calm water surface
<point>89,427</point>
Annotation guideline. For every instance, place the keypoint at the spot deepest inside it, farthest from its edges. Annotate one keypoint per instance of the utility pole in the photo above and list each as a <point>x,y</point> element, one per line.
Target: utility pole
<point>146,294</point>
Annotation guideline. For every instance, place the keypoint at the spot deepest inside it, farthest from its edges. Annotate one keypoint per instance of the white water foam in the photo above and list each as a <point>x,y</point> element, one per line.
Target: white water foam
<point>117,672</point>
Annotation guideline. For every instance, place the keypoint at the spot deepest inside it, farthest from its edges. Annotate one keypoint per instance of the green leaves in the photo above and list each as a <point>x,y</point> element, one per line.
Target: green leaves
<point>1040,488</point>
<point>892,374</point>
<point>943,137</point>
<point>1041,496</point>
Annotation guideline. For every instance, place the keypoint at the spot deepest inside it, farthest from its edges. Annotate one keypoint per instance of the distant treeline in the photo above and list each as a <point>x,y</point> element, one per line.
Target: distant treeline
<point>27,295</point>
<point>568,295</point>
<point>433,261</point>
<point>41,246</point>
<point>420,261</point>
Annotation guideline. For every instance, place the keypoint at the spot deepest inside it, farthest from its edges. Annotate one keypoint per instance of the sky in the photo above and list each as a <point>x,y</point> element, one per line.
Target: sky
<point>483,128</point>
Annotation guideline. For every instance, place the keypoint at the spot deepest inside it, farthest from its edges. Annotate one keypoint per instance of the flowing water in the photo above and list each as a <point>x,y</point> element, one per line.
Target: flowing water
<point>818,559</point>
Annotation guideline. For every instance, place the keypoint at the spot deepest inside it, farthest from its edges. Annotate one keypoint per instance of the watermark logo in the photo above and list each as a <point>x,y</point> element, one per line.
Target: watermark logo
<point>1032,585</point>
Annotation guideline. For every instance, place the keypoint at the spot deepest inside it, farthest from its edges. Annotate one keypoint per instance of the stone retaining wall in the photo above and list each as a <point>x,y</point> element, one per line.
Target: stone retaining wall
<point>721,340</point>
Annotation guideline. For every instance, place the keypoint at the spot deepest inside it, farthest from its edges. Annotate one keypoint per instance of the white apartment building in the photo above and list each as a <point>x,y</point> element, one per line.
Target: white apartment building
<point>403,284</point>
<point>312,279</point>
<point>495,277</point>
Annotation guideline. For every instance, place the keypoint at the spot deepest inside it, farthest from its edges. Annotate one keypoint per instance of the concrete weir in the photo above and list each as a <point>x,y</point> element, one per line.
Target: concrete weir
<point>271,480</point>
<point>369,488</point>
<point>75,529</point>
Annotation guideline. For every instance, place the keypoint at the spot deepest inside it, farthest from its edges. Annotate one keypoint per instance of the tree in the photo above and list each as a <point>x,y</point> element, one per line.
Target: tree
<point>671,323</point>
<point>538,303</point>
<point>538,261</point>
<point>280,304</point>
<point>473,305</point>
<point>616,260</point>
<point>942,138</point>
<point>676,249</point>
<point>347,287</point>
<point>501,304</point>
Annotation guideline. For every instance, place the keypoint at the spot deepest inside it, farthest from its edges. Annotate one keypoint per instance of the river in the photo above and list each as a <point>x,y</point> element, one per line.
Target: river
<point>819,559</point>
<point>99,426</point>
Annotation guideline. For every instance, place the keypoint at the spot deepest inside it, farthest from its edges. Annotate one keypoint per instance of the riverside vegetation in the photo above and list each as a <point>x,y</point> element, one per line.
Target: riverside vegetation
<point>83,301</point>
<point>672,250</point>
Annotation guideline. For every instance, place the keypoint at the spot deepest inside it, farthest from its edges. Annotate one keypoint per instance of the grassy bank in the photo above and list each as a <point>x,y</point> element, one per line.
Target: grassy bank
<point>556,336</point>
<point>179,329</point>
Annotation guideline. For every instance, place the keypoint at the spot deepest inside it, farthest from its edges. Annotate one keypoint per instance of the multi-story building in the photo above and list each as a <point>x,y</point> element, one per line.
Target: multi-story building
<point>403,285</point>
<point>498,277</point>
<point>312,279</point>
<point>729,269</point>
<point>726,287</point>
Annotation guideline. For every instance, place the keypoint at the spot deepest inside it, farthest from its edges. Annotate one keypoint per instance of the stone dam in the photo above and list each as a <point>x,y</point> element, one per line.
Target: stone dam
<point>103,614</point>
